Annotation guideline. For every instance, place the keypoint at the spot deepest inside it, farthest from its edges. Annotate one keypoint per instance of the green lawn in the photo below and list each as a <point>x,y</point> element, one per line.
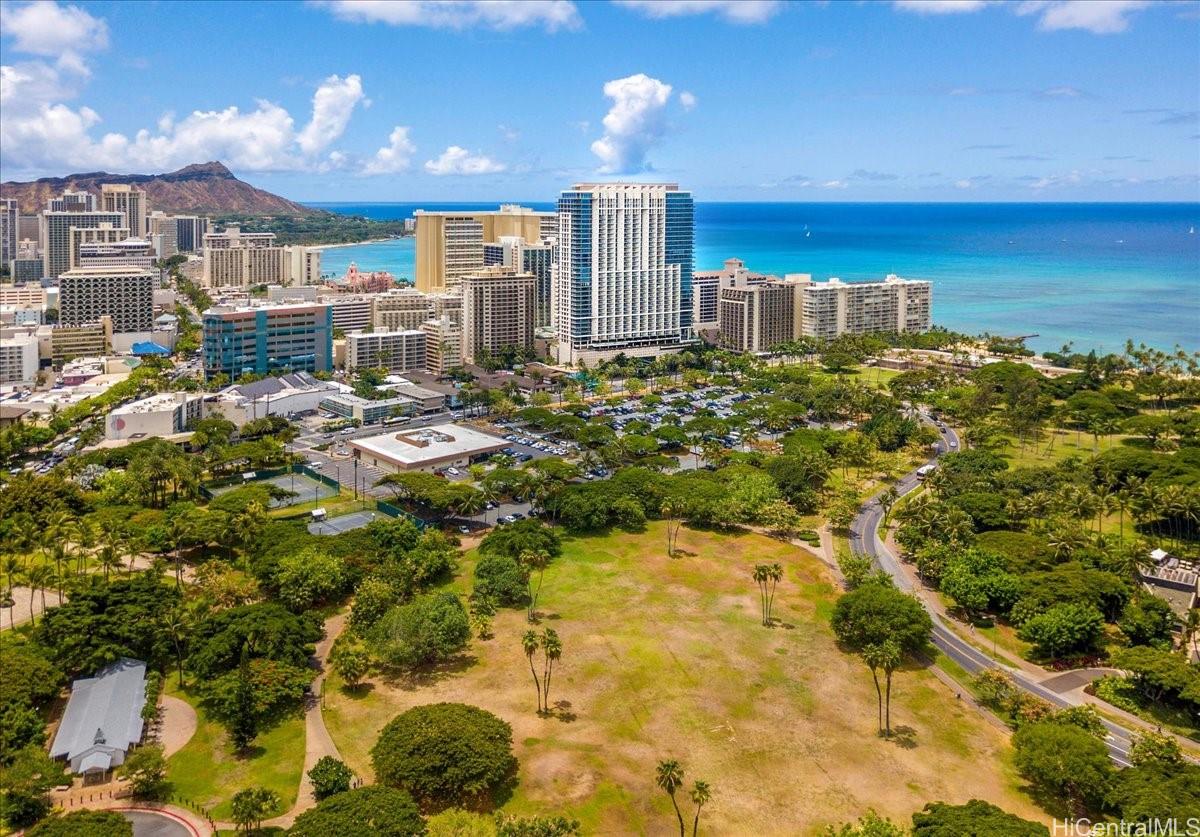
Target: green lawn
<point>668,658</point>
<point>1054,446</point>
<point>208,774</point>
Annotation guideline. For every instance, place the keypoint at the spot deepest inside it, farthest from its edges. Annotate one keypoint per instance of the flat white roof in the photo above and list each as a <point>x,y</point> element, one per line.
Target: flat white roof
<point>428,444</point>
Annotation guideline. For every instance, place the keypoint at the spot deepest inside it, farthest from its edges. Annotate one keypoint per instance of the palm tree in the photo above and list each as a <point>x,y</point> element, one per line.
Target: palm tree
<point>533,560</point>
<point>1122,502</point>
<point>11,566</point>
<point>40,577</point>
<point>700,794</point>
<point>552,649</point>
<point>873,657</point>
<point>530,644</point>
<point>887,657</point>
<point>110,553</point>
<point>760,575</point>
<point>774,575</point>
<point>887,500</point>
<point>669,777</point>
<point>470,504</point>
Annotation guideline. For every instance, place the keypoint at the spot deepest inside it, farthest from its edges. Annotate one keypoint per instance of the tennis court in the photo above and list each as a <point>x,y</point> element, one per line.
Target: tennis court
<point>342,523</point>
<point>307,489</point>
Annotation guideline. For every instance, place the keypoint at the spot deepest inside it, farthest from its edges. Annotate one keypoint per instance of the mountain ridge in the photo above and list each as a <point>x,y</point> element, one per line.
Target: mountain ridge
<point>196,188</point>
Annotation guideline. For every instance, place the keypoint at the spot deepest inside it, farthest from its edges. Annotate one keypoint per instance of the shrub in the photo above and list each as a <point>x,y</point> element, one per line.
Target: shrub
<point>388,811</point>
<point>446,754</point>
<point>83,824</point>
<point>329,776</point>
<point>501,579</point>
<point>1063,629</point>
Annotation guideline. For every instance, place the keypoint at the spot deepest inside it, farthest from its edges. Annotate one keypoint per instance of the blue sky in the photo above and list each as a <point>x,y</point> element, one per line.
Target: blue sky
<point>750,100</point>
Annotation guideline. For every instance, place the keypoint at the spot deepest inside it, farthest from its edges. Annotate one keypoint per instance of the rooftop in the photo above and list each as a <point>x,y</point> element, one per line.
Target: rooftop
<point>103,717</point>
<point>429,444</point>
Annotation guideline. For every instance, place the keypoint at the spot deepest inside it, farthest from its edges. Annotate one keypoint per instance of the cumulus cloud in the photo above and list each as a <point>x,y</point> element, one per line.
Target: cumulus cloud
<point>688,100</point>
<point>1054,180</point>
<point>64,33</point>
<point>551,15</point>
<point>735,11</point>
<point>834,184</point>
<point>965,183</point>
<point>333,105</point>
<point>634,123</point>
<point>457,160</point>
<point>940,7</point>
<point>1100,17</point>
<point>393,157</point>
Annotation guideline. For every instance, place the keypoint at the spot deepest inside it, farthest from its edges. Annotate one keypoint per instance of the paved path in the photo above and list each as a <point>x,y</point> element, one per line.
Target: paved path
<point>865,539</point>
<point>317,741</point>
<point>20,610</point>
<point>178,724</point>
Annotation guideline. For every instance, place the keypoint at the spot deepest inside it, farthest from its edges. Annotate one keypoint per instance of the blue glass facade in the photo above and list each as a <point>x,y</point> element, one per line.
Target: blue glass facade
<point>681,250</point>
<point>268,340</point>
<point>575,213</point>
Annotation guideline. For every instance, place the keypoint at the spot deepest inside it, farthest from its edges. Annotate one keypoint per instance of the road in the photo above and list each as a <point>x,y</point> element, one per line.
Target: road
<point>865,539</point>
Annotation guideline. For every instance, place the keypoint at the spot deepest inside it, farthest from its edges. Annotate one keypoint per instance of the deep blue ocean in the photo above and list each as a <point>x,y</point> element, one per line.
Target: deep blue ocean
<point>1090,274</point>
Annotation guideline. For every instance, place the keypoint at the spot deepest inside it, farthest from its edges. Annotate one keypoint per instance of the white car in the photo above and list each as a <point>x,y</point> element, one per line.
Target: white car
<point>454,472</point>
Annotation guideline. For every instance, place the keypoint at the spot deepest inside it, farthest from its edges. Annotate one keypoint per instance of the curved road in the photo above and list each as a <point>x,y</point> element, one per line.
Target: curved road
<point>864,539</point>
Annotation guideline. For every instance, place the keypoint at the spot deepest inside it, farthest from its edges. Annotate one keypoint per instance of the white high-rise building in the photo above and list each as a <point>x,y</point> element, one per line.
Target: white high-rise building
<point>129,200</point>
<point>59,245</point>
<point>623,272</point>
<point>10,216</point>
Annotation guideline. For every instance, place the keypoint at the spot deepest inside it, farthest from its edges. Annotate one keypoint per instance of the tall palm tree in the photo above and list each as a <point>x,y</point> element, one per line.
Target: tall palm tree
<point>533,560</point>
<point>552,649</point>
<point>701,793</point>
<point>1122,502</point>
<point>530,644</point>
<point>669,776</point>
<point>12,567</point>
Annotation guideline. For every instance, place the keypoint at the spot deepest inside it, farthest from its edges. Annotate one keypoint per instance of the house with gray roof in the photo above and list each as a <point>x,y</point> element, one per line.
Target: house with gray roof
<point>103,718</point>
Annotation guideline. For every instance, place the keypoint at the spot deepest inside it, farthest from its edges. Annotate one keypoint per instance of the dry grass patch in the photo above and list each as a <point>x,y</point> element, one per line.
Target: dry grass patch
<point>667,658</point>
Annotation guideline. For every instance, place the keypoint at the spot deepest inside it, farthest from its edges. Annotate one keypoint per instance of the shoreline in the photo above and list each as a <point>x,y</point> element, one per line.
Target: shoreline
<point>357,243</point>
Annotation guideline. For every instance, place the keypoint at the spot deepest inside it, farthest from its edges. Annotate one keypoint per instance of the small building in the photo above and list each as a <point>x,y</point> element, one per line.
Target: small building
<point>1174,580</point>
<point>369,411</point>
<point>162,414</point>
<point>426,448</point>
<point>103,719</point>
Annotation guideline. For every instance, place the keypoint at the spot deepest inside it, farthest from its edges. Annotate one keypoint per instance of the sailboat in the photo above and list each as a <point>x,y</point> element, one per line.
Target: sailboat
<point>1192,231</point>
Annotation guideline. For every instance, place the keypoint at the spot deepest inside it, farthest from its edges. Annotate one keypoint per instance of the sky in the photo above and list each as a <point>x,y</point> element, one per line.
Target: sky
<point>737,100</point>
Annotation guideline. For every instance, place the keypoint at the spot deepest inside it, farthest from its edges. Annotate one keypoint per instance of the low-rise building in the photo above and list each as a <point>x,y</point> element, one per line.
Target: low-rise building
<point>87,340</point>
<point>19,361</point>
<point>426,448</point>
<point>103,719</point>
<point>163,414</point>
<point>367,410</point>
<point>284,395</point>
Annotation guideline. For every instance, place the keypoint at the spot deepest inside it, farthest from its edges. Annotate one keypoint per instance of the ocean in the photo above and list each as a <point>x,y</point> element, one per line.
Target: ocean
<point>1088,274</point>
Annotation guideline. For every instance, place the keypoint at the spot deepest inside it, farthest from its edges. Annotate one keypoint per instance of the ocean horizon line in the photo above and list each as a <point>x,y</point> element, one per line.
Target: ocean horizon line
<point>1195,203</point>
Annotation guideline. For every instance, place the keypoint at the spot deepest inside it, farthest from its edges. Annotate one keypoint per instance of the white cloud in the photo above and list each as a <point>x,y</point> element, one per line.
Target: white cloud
<point>688,100</point>
<point>735,11</point>
<point>64,33</point>
<point>636,120</point>
<point>551,15</point>
<point>834,184</point>
<point>510,134</point>
<point>457,160</point>
<point>940,7</point>
<point>393,157</point>
<point>1100,17</point>
<point>333,105</point>
<point>1054,180</point>
<point>1061,92</point>
<point>965,183</point>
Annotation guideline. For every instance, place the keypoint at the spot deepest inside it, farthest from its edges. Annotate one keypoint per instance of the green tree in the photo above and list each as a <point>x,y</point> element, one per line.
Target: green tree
<point>390,812</point>
<point>446,754</point>
<point>372,599</point>
<point>146,770</point>
<point>533,561</point>
<point>1064,763</point>
<point>557,826</point>
<point>552,652</point>
<point>429,629</point>
<point>700,793</point>
<point>351,661</point>
<point>502,580</point>
<point>976,818</point>
<point>876,613</point>
<point>244,716</point>
<point>329,776</point>
<point>885,656</point>
<point>1148,620</point>
<point>869,824</point>
<point>309,577</point>
<point>856,569</point>
<point>1154,748</point>
<point>669,776</point>
<point>1063,629</point>
<point>26,782</point>
<point>253,805</point>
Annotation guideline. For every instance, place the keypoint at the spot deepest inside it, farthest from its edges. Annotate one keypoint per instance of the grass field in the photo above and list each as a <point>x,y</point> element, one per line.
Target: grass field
<point>1054,446</point>
<point>668,658</point>
<point>207,773</point>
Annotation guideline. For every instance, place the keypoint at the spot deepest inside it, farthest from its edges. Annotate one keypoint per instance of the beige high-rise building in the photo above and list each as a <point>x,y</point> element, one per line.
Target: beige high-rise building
<point>125,294</point>
<point>706,290</point>
<point>395,351</point>
<point>450,244</point>
<point>893,305</point>
<point>130,200</point>
<point>401,309</point>
<point>443,345</point>
<point>499,310</point>
<point>757,313</point>
<point>235,259</point>
<point>59,245</point>
<point>106,233</point>
<point>163,233</point>
<point>447,305</point>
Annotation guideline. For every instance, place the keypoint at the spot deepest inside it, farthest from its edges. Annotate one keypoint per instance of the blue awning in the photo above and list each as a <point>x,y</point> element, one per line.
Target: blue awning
<point>149,347</point>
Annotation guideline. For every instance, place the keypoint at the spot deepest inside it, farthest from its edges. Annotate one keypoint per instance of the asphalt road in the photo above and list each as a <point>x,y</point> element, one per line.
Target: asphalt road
<point>864,539</point>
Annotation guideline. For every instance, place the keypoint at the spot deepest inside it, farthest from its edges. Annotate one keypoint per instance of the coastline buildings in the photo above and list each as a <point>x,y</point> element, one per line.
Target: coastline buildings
<point>267,339</point>
<point>706,291</point>
<point>755,313</point>
<point>236,259</point>
<point>623,275</point>
<point>498,312</point>
<point>450,244</point>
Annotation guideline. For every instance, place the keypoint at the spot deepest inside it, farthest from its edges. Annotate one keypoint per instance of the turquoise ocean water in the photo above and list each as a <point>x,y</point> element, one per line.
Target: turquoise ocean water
<point>1091,274</point>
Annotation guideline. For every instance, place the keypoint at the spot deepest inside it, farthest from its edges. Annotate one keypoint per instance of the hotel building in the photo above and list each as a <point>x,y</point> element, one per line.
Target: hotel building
<point>395,351</point>
<point>499,308</point>
<point>123,293</point>
<point>131,252</point>
<point>129,201</point>
<point>623,277</point>
<point>9,223</point>
<point>518,255</point>
<point>450,244</point>
<point>706,290</point>
<point>189,233</point>
<point>402,309</point>
<point>163,233</point>
<point>757,317</point>
<point>893,305</point>
<point>267,339</point>
<point>443,345</point>
<point>70,201</point>
<point>59,248</point>
<point>236,259</point>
